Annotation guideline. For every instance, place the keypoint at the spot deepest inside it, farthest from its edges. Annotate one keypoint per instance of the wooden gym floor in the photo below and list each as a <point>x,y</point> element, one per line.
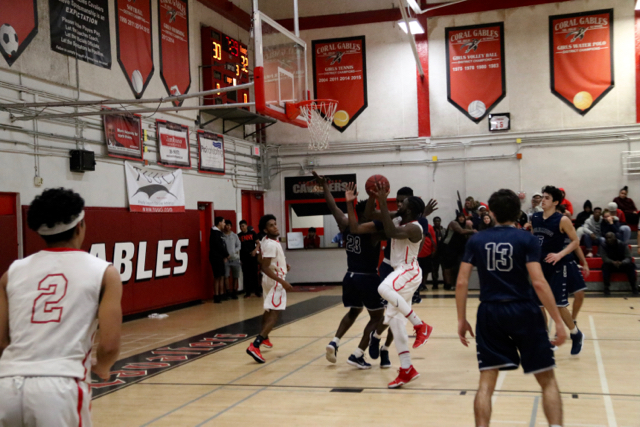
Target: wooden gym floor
<point>222,386</point>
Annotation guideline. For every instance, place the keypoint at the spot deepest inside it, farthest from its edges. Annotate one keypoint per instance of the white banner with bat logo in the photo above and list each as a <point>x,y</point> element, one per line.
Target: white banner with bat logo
<point>154,191</point>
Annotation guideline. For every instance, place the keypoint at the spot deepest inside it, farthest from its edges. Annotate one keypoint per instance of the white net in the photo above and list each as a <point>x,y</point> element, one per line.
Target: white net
<point>319,116</point>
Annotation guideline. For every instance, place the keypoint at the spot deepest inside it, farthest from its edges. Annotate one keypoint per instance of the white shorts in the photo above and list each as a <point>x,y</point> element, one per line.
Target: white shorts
<point>275,297</point>
<point>404,280</point>
<point>44,401</point>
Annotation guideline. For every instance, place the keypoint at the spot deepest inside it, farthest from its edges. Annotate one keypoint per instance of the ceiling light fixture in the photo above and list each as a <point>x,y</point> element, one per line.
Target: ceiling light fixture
<point>414,26</point>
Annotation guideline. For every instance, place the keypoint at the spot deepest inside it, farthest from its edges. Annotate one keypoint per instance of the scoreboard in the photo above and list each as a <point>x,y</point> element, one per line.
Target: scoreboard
<point>225,62</point>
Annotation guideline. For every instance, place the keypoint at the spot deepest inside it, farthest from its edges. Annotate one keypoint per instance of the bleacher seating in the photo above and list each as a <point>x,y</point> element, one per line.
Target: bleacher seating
<point>595,269</point>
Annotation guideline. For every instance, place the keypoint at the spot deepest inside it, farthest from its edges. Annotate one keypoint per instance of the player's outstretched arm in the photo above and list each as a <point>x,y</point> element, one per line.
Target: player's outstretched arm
<point>110,323</point>
<point>266,264</point>
<point>431,207</point>
<point>545,295</point>
<point>354,227</point>
<point>462,288</point>
<point>409,231</point>
<point>4,313</point>
<point>340,217</point>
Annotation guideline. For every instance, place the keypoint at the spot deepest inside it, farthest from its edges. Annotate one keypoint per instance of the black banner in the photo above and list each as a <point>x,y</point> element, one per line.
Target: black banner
<point>306,187</point>
<point>18,26</point>
<point>80,28</point>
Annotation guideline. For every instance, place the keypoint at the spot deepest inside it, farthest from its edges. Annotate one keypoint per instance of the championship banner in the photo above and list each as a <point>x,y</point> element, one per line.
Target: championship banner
<point>135,49</point>
<point>154,191</point>
<point>637,39</point>
<point>175,71</point>
<point>18,26</point>
<point>340,73</point>
<point>210,152</point>
<point>475,68</point>
<point>581,57</point>
<point>306,187</point>
<point>173,144</point>
<point>123,134</point>
<point>81,30</point>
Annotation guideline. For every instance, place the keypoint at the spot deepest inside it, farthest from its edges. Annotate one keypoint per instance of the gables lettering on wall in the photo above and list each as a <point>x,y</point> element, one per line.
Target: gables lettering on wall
<point>475,68</point>
<point>81,30</point>
<point>175,70</point>
<point>581,57</point>
<point>154,191</point>
<point>173,144</point>
<point>123,134</point>
<point>18,26</point>
<point>340,73</point>
<point>135,49</point>
<point>306,187</point>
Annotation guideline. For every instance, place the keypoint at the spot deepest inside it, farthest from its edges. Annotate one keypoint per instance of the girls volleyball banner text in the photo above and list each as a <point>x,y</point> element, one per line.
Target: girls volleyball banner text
<point>475,68</point>
<point>135,50</point>
<point>581,60</point>
<point>154,191</point>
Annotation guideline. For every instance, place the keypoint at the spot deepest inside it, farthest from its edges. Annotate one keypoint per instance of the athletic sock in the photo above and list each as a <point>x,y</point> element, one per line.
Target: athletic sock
<point>574,331</point>
<point>413,318</point>
<point>555,425</point>
<point>358,353</point>
<point>258,341</point>
<point>405,360</point>
<point>384,348</point>
<point>336,340</point>
<point>375,335</point>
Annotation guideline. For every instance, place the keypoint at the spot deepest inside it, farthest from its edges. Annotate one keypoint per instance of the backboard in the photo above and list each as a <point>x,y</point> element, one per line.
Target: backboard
<point>280,73</point>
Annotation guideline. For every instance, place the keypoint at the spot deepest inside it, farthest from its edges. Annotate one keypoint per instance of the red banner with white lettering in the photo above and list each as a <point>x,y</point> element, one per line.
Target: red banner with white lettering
<point>340,73</point>
<point>175,70</point>
<point>581,57</point>
<point>18,26</point>
<point>135,50</point>
<point>637,17</point>
<point>123,135</point>
<point>475,68</point>
<point>173,144</point>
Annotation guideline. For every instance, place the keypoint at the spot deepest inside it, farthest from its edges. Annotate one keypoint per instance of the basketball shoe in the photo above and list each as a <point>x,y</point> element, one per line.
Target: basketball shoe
<point>358,362</point>
<point>374,346</point>
<point>255,353</point>
<point>404,376</point>
<point>423,332</point>
<point>577,341</point>
<point>267,343</point>
<point>385,363</point>
<point>332,352</point>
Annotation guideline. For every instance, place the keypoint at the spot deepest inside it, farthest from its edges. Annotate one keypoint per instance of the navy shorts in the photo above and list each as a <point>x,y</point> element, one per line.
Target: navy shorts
<point>557,276</point>
<point>575,279</point>
<point>384,270</point>
<point>359,289</point>
<point>512,333</point>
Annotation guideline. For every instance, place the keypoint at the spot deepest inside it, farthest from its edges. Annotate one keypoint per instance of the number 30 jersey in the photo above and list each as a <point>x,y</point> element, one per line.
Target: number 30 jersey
<point>501,255</point>
<point>53,306</point>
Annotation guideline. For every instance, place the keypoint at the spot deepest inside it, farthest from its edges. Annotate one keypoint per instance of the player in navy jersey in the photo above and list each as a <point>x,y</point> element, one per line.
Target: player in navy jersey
<point>551,228</point>
<point>360,283</point>
<point>510,329</point>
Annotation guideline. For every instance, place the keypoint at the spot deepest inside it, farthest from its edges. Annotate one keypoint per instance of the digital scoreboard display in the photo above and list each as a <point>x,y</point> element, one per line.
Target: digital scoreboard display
<point>225,62</point>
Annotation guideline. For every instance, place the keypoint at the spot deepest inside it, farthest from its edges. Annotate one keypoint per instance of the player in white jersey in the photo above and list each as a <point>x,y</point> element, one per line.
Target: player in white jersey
<point>274,285</point>
<point>50,306</point>
<point>399,286</point>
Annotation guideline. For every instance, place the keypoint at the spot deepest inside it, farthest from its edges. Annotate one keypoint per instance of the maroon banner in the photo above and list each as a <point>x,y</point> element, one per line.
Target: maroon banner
<point>581,57</point>
<point>637,27</point>
<point>123,134</point>
<point>476,71</point>
<point>135,49</point>
<point>340,73</point>
<point>18,26</point>
<point>175,71</point>
<point>173,144</point>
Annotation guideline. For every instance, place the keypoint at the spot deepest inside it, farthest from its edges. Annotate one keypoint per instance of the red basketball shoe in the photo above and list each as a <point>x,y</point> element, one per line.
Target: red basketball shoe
<point>423,332</point>
<point>255,353</point>
<point>266,343</point>
<point>404,376</point>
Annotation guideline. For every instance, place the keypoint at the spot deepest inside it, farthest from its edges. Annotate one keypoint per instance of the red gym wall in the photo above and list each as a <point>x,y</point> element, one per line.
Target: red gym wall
<point>110,226</point>
<point>8,230</point>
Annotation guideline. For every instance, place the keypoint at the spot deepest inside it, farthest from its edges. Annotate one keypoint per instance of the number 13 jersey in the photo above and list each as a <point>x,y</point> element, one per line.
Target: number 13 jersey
<point>53,306</point>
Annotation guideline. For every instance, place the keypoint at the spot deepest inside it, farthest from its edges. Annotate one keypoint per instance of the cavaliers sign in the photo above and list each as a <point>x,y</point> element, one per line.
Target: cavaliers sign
<point>340,73</point>
<point>475,68</point>
<point>306,187</point>
<point>175,71</point>
<point>135,50</point>
<point>581,50</point>
<point>18,26</point>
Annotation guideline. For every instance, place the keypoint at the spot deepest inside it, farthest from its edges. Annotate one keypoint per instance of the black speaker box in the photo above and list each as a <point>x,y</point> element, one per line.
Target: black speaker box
<point>82,160</point>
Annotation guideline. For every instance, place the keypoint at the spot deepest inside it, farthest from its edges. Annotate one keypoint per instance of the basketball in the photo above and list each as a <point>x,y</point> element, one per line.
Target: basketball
<point>477,109</point>
<point>373,181</point>
<point>582,100</point>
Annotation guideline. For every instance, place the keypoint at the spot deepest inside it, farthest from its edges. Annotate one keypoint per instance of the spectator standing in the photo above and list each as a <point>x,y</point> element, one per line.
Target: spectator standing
<point>455,240</point>
<point>217,257</point>
<point>626,205</point>
<point>616,257</point>
<point>425,259</point>
<point>437,256</point>
<point>249,245</point>
<point>232,264</point>
<point>587,210</point>
<point>312,241</point>
<point>565,202</point>
<point>592,231</point>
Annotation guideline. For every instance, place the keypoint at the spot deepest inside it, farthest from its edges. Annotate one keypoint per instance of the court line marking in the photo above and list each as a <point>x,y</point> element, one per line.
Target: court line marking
<point>496,390</point>
<point>534,411</point>
<point>608,403</point>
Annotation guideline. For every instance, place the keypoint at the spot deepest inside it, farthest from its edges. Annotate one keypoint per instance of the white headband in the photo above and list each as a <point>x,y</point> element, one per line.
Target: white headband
<point>60,227</point>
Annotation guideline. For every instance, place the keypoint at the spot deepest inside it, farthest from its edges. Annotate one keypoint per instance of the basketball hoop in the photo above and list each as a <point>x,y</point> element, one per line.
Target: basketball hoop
<point>318,113</point>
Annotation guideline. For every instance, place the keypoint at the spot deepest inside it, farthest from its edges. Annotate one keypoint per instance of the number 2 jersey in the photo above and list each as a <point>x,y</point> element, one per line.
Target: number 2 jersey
<point>53,306</point>
<point>501,255</point>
